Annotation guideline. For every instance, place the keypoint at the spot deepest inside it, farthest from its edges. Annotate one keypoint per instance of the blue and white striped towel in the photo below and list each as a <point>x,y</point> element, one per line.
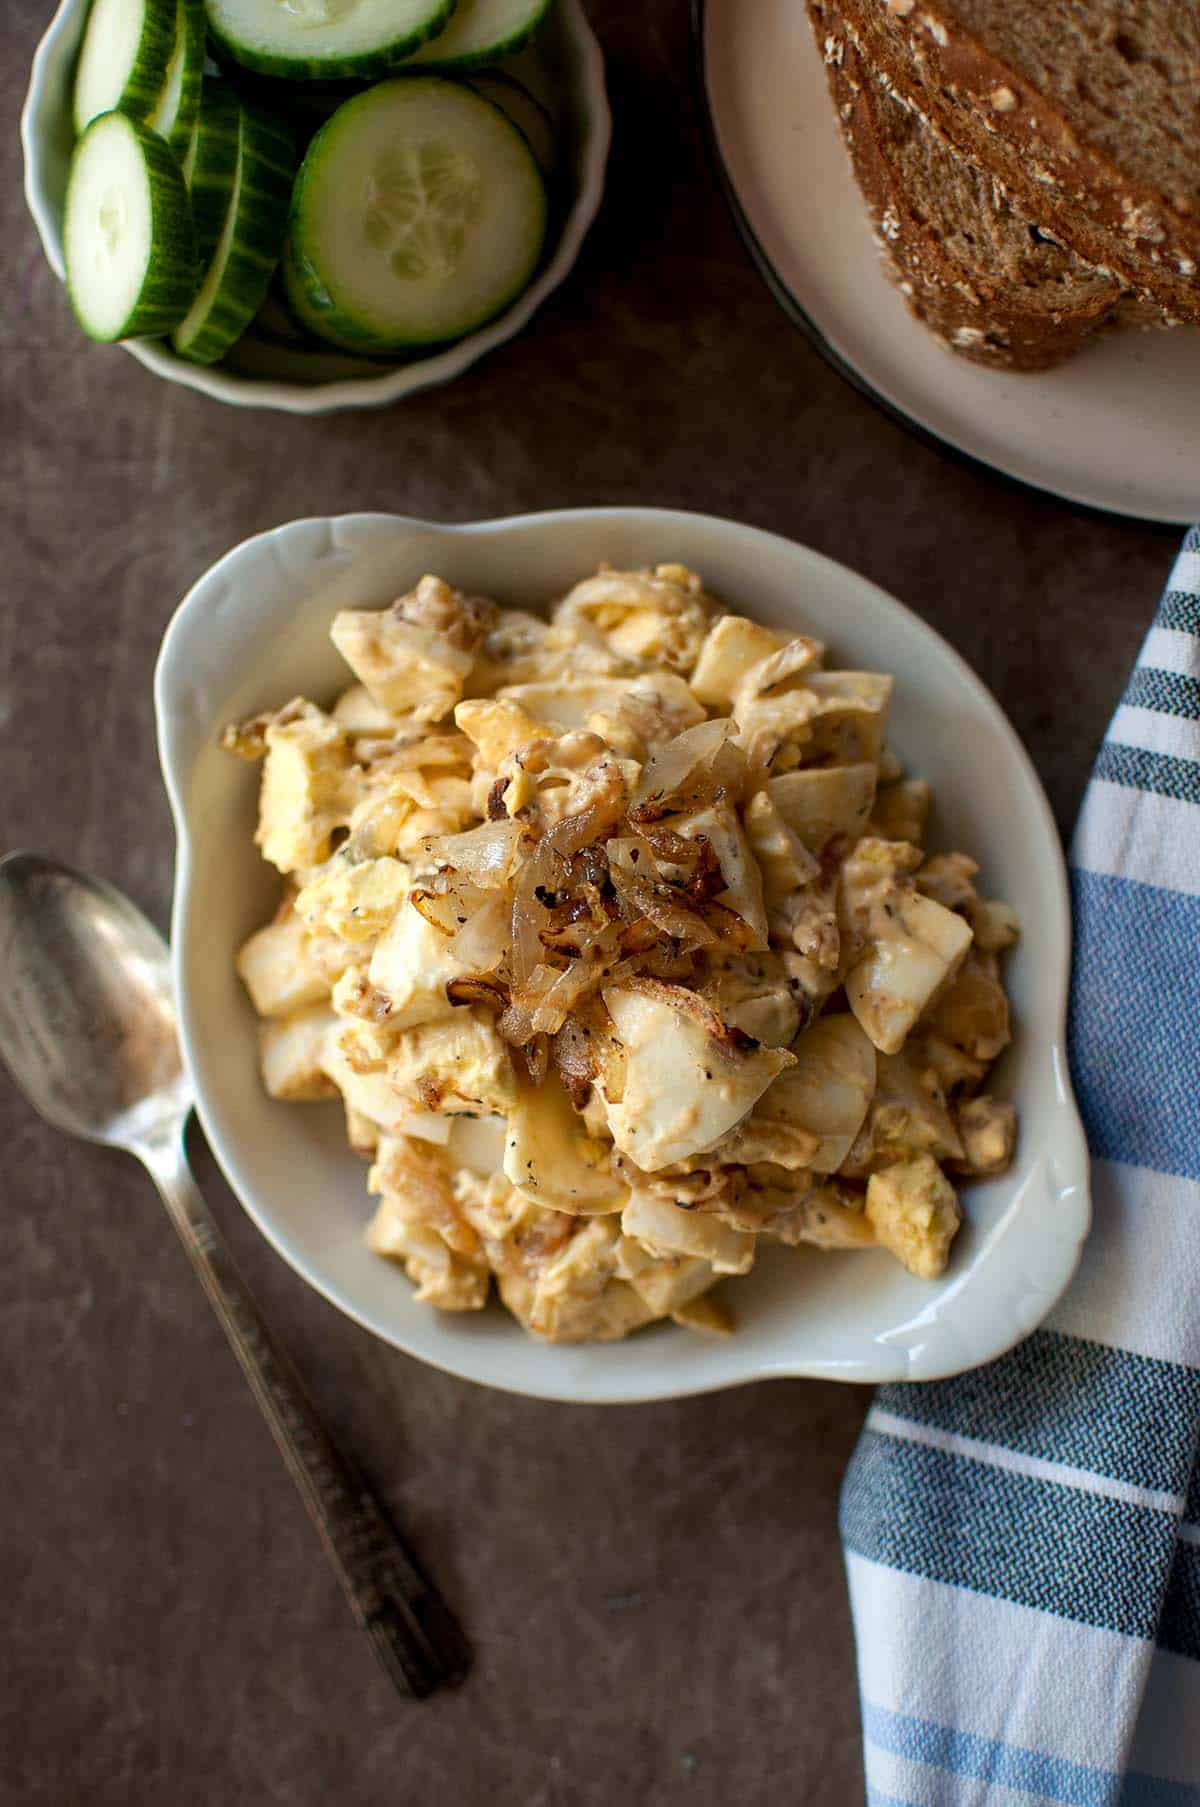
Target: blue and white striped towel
<point>1023,1543</point>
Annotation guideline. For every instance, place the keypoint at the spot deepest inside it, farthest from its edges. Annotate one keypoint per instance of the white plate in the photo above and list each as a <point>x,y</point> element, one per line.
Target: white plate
<point>1118,427</point>
<point>254,631</point>
<point>565,64</point>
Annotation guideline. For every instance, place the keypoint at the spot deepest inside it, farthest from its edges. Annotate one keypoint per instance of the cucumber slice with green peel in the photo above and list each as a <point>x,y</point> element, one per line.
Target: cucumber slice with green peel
<point>419,214</point>
<point>527,114</point>
<point>127,47</point>
<point>481,31</point>
<point>305,106</point>
<point>174,114</point>
<point>128,239</point>
<point>311,40</point>
<point>240,270</point>
<point>210,163</point>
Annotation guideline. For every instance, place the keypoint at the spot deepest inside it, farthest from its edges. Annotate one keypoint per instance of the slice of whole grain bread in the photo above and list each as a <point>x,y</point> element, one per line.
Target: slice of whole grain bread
<point>997,290</point>
<point>1087,112</point>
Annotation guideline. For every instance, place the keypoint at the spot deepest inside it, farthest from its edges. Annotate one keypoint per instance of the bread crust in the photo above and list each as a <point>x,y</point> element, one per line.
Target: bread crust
<point>971,306</point>
<point>1000,122</point>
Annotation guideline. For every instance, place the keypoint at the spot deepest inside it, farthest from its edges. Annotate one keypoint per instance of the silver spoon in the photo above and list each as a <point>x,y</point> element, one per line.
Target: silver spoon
<point>87,1025</point>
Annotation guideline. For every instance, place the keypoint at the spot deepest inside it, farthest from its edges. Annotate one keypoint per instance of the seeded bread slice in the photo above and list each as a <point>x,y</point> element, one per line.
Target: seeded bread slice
<point>1085,111</point>
<point>993,287</point>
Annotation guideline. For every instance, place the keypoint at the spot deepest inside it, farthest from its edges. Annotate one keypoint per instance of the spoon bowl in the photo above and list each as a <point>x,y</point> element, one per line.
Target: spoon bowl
<point>87,1016</point>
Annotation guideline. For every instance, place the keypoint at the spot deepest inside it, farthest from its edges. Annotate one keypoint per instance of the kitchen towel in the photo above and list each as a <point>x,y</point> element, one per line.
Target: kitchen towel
<point>1023,1542</point>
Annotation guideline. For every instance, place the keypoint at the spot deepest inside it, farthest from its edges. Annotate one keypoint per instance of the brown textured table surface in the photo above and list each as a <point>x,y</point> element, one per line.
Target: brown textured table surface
<point>655,1594</point>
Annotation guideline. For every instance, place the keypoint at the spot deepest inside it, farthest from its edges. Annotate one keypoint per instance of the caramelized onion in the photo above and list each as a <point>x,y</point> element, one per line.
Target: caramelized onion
<point>560,996</point>
<point>542,1005</point>
<point>537,1059</point>
<point>477,991</point>
<point>486,855</point>
<point>671,849</point>
<point>482,942</point>
<point>676,772</point>
<point>573,1056</point>
<point>497,810</point>
<point>527,918</point>
<point>442,911</point>
<point>516,1025</point>
<point>579,830</point>
<point>640,896</point>
<point>668,961</point>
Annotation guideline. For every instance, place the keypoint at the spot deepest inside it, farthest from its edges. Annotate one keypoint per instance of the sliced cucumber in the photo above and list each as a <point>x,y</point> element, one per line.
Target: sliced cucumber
<point>127,46</point>
<point>174,114</point>
<point>240,270</point>
<point>480,31</point>
<point>128,238</point>
<point>273,361</point>
<point>419,214</point>
<point>527,114</point>
<point>305,106</point>
<point>308,40</point>
<point>210,163</point>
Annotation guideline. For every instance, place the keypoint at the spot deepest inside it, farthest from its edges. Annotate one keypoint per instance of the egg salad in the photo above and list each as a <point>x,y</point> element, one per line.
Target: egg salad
<point>616,934</point>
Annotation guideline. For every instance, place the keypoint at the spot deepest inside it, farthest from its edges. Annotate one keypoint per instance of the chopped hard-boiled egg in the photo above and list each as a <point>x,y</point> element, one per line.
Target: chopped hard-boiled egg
<point>987,1128</point>
<point>665,1283</point>
<point>411,966</point>
<point>648,619</point>
<point>499,727</point>
<point>752,992</point>
<point>302,800</point>
<point>373,1098</point>
<point>666,1230</point>
<point>405,668</point>
<point>354,901</point>
<point>357,712</point>
<point>907,1115</point>
<point>594,703</point>
<point>618,937</point>
<point>732,646</point>
<point>784,862</point>
<point>828,801</point>
<point>914,1211</point>
<point>293,1051</point>
<point>684,1083</point>
<point>452,1278</point>
<point>457,1064</point>
<point>828,1216</point>
<point>578,1297</point>
<point>826,1094</point>
<point>550,1155</point>
<point>913,946</point>
<point>902,811</point>
<point>277,967</point>
<point>972,1013</point>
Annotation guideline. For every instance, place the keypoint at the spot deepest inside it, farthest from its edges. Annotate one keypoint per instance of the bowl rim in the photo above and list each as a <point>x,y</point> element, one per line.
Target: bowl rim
<point>594,122</point>
<point>1070,1160</point>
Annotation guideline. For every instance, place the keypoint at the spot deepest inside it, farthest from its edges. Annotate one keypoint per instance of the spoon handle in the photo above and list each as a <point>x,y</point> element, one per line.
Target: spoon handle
<point>416,1638</point>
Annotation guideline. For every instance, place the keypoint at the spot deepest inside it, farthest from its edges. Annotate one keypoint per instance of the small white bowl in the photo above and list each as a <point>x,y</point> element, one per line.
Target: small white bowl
<point>254,631</point>
<point>570,65</point>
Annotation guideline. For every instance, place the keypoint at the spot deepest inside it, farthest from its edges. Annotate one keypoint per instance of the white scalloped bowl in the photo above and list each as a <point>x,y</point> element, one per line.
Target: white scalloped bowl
<point>254,631</point>
<point>570,64</point>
